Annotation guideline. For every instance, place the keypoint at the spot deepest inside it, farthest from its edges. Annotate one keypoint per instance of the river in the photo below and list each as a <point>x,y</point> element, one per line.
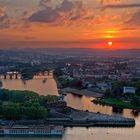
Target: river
<point>82,103</point>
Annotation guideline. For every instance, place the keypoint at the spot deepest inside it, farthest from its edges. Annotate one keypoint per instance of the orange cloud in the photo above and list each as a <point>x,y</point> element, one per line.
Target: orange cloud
<point>65,13</point>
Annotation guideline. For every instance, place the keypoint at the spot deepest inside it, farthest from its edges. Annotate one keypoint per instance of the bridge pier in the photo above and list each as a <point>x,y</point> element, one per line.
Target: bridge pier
<point>48,73</point>
<point>16,76</point>
<point>11,76</point>
<point>5,76</point>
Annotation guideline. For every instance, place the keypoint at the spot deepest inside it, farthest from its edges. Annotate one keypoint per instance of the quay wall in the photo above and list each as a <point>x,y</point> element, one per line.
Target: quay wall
<point>66,122</point>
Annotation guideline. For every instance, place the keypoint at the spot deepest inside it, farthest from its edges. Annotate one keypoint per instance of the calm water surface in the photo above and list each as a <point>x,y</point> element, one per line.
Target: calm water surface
<point>78,102</point>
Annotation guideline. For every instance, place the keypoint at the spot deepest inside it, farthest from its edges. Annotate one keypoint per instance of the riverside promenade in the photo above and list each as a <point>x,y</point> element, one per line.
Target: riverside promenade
<point>82,119</point>
<point>78,118</point>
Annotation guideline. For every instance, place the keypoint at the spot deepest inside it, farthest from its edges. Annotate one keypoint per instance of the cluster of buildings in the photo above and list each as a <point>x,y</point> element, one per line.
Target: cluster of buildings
<point>98,73</point>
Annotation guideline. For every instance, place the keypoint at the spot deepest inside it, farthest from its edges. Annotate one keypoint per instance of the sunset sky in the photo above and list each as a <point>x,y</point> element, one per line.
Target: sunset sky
<point>70,23</point>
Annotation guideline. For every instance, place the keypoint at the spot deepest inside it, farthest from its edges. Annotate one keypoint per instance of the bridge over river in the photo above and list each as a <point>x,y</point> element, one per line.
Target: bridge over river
<point>17,75</point>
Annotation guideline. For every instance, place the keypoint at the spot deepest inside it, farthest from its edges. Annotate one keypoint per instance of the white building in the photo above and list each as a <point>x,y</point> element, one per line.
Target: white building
<point>129,90</point>
<point>104,86</point>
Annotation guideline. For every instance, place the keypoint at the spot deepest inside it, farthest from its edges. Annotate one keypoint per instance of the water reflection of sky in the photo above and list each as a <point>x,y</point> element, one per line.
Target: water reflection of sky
<point>84,103</point>
<point>35,85</point>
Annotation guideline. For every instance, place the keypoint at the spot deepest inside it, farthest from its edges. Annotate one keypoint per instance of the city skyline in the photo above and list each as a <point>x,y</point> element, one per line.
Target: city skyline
<point>70,23</point>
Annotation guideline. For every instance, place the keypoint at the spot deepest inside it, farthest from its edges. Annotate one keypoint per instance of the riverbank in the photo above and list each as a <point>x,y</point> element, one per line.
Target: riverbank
<point>70,117</point>
<point>77,118</point>
<point>116,103</point>
<point>82,92</point>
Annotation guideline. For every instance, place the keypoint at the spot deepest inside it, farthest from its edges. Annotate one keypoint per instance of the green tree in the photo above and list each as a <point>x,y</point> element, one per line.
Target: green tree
<point>135,101</point>
<point>10,113</point>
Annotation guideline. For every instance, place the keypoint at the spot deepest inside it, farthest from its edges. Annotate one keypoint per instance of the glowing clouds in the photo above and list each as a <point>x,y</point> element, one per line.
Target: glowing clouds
<point>111,33</point>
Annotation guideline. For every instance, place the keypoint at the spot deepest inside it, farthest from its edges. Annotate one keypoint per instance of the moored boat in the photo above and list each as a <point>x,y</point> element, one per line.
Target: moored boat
<point>32,131</point>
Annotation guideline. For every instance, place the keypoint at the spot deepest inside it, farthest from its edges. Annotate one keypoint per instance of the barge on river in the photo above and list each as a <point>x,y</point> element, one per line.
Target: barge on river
<point>32,131</point>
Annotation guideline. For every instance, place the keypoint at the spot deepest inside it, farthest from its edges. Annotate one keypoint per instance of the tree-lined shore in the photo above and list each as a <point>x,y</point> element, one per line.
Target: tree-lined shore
<point>117,103</point>
<point>117,98</point>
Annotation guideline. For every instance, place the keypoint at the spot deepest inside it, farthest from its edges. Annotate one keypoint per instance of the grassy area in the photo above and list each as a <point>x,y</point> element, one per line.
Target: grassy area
<point>116,102</point>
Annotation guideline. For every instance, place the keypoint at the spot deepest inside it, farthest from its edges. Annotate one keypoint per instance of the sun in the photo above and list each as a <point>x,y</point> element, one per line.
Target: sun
<point>110,43</point>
